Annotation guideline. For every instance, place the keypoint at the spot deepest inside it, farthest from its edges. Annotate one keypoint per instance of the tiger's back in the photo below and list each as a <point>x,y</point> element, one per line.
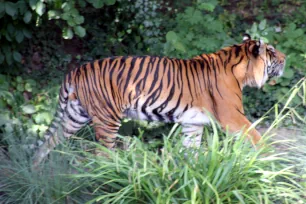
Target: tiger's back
<point>138,87</point>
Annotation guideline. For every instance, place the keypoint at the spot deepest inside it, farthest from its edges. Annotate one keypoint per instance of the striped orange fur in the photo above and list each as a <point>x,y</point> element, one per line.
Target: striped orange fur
<point>163,89</point>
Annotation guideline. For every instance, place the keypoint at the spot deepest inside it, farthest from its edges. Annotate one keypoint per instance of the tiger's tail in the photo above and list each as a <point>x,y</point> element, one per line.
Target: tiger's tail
<point>51,137</point>
<point>70,116</point>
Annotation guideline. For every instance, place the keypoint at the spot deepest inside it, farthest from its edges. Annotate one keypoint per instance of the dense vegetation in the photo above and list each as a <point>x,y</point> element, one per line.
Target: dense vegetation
<point>41,40</point>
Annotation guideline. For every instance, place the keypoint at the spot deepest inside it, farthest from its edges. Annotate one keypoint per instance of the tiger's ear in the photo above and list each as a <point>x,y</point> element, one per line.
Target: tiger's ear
<point>246,37</point>
<point>258,48</point>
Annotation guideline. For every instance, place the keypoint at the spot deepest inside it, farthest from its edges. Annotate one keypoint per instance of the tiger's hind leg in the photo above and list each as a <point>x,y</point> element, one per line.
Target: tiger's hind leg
<point>192,135</point>
<point>106,130</point>
<point>71,119</point>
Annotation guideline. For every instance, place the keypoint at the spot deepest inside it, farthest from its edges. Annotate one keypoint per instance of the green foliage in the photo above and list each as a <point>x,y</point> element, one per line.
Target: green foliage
<point>130,28</point>
<point>24,106</point>
<point>19,18</point>
<point>15,20</point>
<point>197,31</point>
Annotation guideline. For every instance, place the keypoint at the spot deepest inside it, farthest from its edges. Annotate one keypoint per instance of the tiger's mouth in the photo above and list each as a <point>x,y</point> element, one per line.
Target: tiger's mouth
<point>278,70</point>
<point>281,69</point>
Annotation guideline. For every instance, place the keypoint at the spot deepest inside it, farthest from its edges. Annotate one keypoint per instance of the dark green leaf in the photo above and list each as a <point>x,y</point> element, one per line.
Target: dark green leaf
<point>288,73</point>
<point>1,58</point>
<point>79,19</point>
<point>67,33</point>
<point>4,118</point>
<point>20,87</point>
<point>179,46</point>
<point>110,2</point>
<point>262,24</point>
<point>207,6</point>
<point>19,79</point>
<point>2,106</point>
<point>65,16</point>
<point>39,118</point>
<point>40,8</point>
<point>254,28</point>
<point>10,8</point>
<point>17,56</point>
<point>28,87</point>
<point>27,17</point>
<point>74,12</point>
<point>33,4</point>
<point>22,5</point>
<point>8,57</point>
<point>2,7</point>
<point>28,109</point>
<point>98,4</point>
<point>67,7</point>
<point>53,14</point>
<point>80,31</point>
<point>19,36</point>
<point>82,3</point>
<point>171,36</point>
<point>10,29</point>
<point>27,33</point>
<point>8,37</point>
<point>43,117</point>
<point>31,82</point>
<point>71,22</point>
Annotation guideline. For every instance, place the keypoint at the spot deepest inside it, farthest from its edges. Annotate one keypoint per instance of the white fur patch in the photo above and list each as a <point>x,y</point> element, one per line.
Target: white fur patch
<point>70,90</point>
<point>245,38</point>
<point>193,116</point>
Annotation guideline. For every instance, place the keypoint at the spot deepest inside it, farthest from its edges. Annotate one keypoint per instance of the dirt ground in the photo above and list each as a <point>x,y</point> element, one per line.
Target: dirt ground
<point>290,139</point>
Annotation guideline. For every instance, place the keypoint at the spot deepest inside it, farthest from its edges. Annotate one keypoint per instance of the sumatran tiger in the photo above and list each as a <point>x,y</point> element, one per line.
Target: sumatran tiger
<point>163,89</point>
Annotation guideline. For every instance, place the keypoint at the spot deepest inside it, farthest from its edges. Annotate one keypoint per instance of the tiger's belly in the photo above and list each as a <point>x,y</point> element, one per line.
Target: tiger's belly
<point>191,116</point>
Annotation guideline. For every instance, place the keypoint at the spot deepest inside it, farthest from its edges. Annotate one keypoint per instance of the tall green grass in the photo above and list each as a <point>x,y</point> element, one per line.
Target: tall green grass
<point>21,183</point>
<point>226,169</point>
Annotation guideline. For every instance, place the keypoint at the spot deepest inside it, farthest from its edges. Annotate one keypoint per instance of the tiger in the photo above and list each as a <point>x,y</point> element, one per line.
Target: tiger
<point>170,90</point>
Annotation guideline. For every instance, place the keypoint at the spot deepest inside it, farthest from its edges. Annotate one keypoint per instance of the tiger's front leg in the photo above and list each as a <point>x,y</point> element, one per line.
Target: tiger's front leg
<point>241,123</point>
<point>193,121</point>
<point>192,135</point>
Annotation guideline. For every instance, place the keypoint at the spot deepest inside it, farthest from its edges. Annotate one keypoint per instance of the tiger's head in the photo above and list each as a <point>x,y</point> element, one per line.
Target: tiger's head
<point>263,62</point>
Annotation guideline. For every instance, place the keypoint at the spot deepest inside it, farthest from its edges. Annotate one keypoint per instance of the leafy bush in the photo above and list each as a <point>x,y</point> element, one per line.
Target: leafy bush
<point>129,28</point>
<point>15,20</point>
<point>24,106</point>
<point>18,20</point>
<point>197,31</point>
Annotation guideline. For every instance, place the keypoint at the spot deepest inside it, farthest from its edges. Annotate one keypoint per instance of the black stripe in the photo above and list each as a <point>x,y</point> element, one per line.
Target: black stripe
<point>155,78</point>
<point>240,111</point>
<point>232,70</point>
<point>215,74</point>
<point>188,81</point>
<point>73,119</point>
<point>140,68</point>
<point>237,50</point>
<point>127,79</point>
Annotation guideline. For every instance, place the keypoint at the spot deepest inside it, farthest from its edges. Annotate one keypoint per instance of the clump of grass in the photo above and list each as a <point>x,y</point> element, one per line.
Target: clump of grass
<point>21,183</point>
<point>226,171</point>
